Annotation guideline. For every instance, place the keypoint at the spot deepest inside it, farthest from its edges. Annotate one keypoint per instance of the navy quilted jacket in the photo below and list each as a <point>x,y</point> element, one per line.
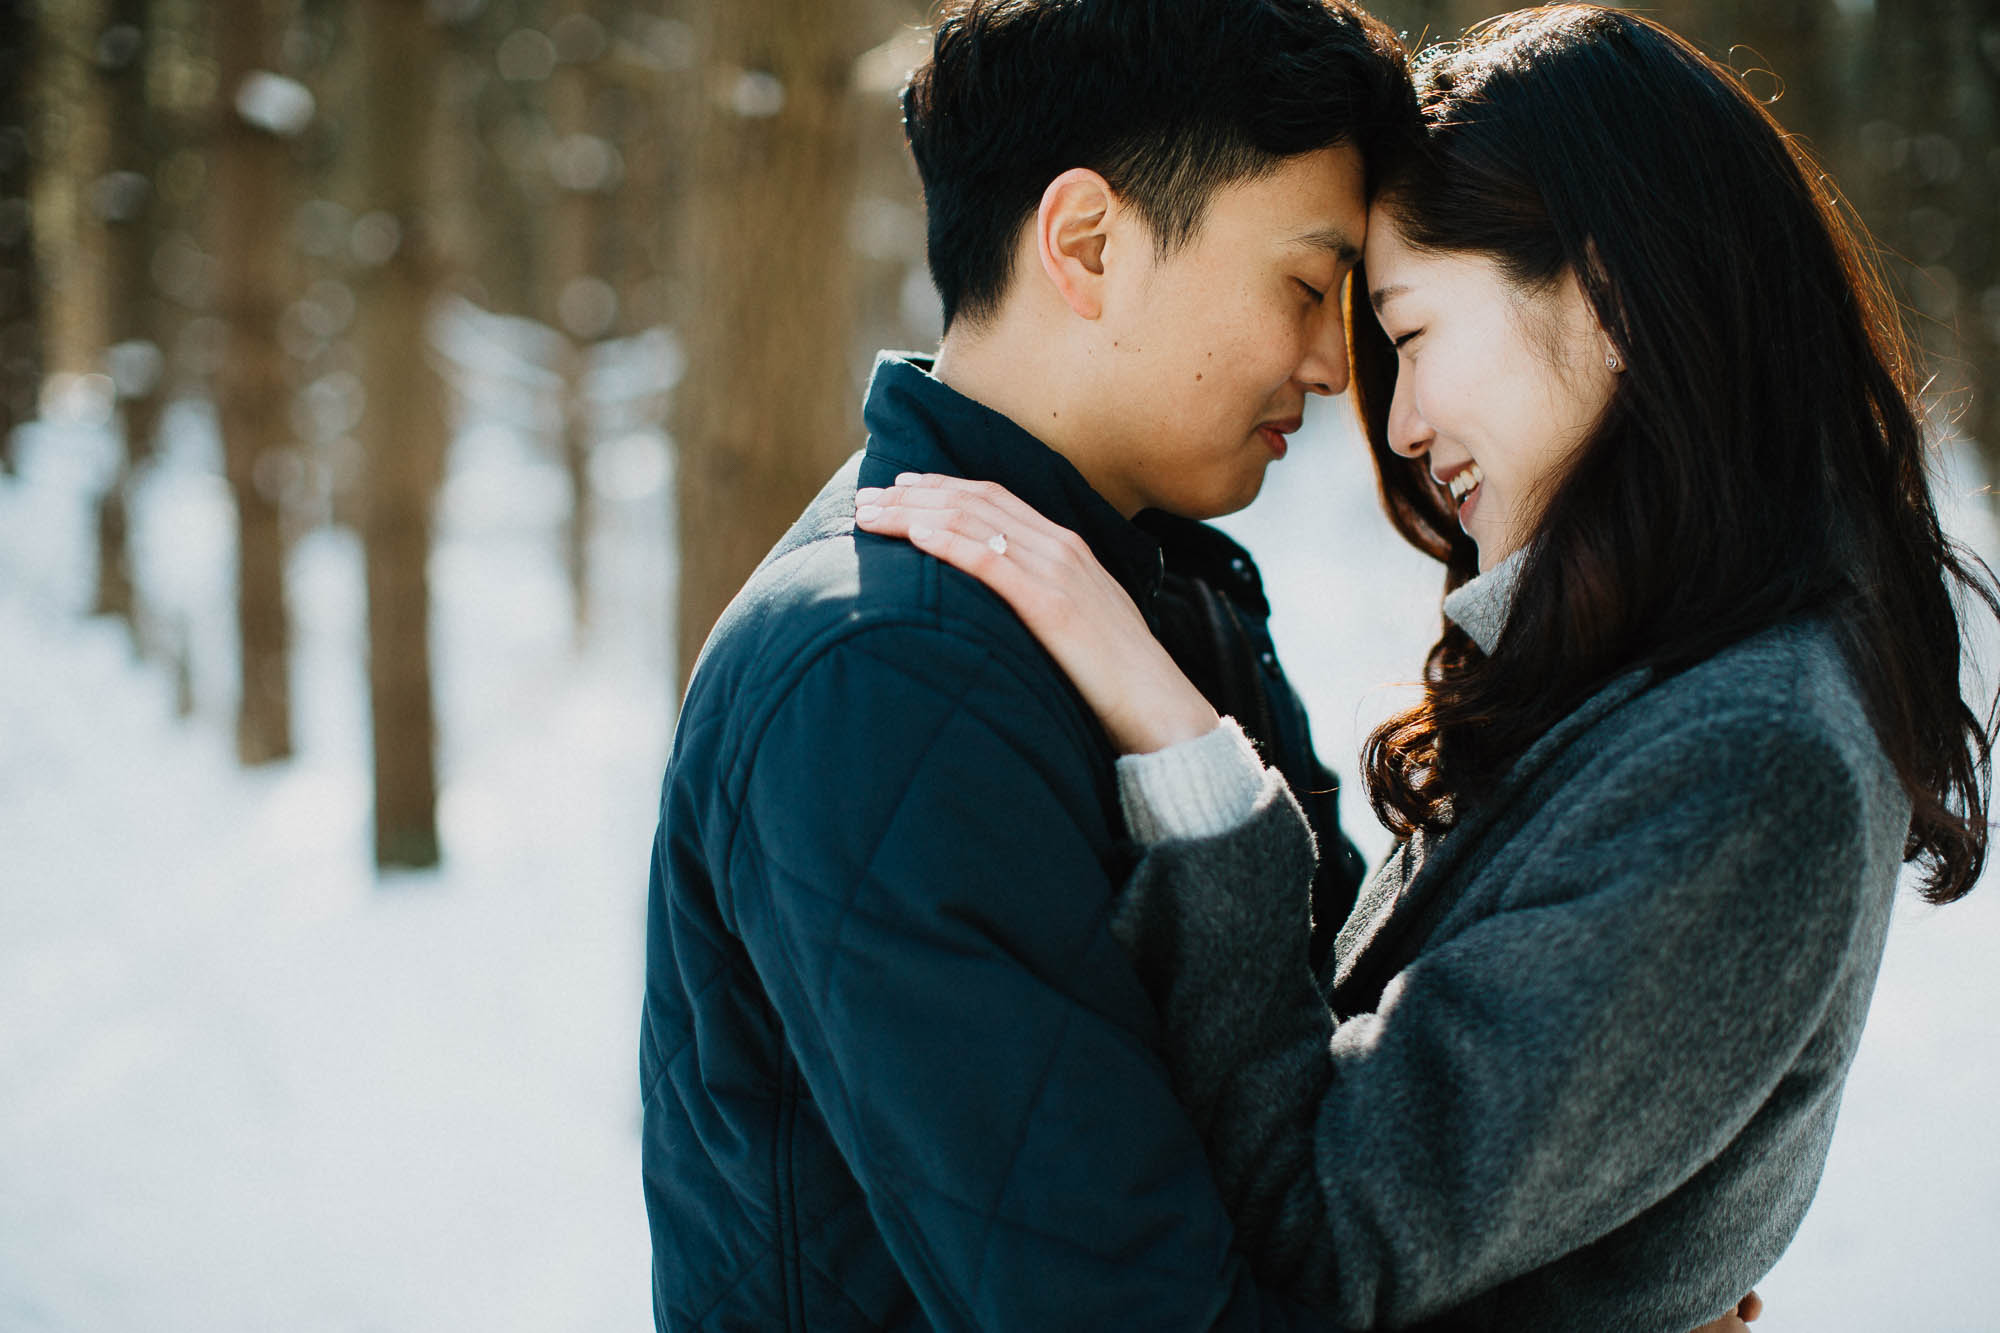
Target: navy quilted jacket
<point>897,1073</point>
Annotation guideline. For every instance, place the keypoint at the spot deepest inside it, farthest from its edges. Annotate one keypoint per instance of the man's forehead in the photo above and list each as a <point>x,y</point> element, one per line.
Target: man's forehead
<point>1312,202</point>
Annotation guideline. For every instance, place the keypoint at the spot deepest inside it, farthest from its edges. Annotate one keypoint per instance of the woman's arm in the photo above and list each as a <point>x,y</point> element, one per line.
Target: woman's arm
<point>1552,1077</point>
<point>1268,1073</point>
<point>1218,929</point>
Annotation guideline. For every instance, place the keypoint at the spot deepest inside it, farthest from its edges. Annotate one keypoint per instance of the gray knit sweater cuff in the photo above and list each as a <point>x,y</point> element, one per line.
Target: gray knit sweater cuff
<point>1195,789</point>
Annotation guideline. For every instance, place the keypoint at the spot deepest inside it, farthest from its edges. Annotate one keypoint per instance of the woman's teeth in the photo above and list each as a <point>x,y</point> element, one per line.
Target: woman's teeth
<point>1463,481</point>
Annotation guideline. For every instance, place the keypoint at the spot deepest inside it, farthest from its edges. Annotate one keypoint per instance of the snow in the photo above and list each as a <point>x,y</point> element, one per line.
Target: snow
<point>246,1085</point>
<point>274,103</point>
<point>243,1085</point>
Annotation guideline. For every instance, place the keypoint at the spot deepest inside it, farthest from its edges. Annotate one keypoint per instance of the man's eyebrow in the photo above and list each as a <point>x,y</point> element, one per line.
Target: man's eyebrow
<point>1381,296</point>
<point>1332,240</point>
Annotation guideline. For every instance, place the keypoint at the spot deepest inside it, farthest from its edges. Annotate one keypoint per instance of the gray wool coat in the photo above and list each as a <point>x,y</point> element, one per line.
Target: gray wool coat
<point>1574,1064</point>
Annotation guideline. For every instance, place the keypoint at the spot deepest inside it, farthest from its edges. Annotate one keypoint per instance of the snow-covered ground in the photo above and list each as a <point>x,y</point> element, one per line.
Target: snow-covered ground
<point>246,1086</point>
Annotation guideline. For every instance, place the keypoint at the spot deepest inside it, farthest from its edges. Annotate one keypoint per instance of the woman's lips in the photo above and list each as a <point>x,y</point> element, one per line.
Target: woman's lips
<point>1464,488</point>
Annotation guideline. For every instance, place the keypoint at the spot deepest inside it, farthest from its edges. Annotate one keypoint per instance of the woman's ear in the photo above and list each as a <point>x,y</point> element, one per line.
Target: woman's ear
<point>1600,281</point>
<point>1072,227</point>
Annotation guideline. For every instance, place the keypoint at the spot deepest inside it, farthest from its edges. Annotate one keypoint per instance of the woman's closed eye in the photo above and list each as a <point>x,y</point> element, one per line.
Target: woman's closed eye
<point>1401,341</point>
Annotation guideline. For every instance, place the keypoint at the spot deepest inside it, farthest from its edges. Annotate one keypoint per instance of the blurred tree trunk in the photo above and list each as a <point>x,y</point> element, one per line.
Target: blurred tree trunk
<point>67,150</point>
<point>580,161</point>
<point>767,407</point>
<point>83,298</point>
<point>136,150</point>
<point>643,208</point>
<point>403,427</point>
<point>1933,190</point>
<point>507,227</point>
<point>658,67</point>
<point>252,388</point>
<point>123,199</point>
<point>1979,223</point>
<point>20,304</point>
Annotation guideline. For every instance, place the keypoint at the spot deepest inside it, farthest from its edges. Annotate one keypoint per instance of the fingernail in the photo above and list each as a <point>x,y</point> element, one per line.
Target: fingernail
<point>867,513</point>
<point>908,478</point>
<point>918,532</point>
<point>868,495</point>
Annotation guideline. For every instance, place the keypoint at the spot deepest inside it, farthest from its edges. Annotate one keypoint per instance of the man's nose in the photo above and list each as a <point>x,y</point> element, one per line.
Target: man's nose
<point>1324,371</point>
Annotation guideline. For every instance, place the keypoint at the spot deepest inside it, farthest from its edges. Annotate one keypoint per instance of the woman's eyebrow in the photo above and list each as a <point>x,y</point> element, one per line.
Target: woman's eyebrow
<point>1381,296</point>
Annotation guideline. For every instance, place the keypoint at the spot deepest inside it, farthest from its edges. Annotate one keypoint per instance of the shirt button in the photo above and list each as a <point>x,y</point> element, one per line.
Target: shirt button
<point>1269,659</point>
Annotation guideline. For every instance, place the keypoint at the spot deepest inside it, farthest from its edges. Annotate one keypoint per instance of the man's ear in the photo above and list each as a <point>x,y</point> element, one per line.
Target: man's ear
<point>1072,226</point>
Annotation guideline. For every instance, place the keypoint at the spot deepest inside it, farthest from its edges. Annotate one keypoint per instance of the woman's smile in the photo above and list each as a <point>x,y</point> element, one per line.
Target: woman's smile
<point>1464,487</point>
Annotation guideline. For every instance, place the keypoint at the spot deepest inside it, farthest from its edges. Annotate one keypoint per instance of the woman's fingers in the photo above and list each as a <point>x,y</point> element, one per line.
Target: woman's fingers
<point>993,502</point>
<point>1019,577</point>
<point>1038,590</point>
<point>1010,506</point>
<point>893,511</point>
<point>908,521</point>
<point>1737,1320</point>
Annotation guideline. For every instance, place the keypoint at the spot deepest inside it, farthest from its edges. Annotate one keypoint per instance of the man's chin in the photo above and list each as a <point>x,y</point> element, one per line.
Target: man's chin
<point>1216,503</point>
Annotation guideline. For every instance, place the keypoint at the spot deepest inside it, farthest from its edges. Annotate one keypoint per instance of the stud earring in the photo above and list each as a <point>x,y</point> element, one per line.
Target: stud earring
<point>1612,363</point>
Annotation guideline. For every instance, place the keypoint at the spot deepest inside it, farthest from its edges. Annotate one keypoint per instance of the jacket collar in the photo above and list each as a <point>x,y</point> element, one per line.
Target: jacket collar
<point>917,423</point>
<point>1197,551</point>
<point>1482,606</point>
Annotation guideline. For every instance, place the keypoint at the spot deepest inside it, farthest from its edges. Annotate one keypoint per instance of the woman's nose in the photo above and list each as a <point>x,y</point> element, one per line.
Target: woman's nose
<point>1409,434</point>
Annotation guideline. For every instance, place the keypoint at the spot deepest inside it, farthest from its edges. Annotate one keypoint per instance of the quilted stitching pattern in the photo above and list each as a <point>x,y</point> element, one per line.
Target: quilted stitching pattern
<point>886,856</point>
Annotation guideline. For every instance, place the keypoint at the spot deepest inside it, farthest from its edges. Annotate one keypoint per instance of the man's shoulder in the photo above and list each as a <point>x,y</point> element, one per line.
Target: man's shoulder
<point>877,620</point>
<point>843,590</point>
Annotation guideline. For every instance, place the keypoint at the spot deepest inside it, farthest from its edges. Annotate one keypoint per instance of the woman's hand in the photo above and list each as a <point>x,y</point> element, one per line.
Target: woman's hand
<point>1737,1320</point>
<point>1062,594</point>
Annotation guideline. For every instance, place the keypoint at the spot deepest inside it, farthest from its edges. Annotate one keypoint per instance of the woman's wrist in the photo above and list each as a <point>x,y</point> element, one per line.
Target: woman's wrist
<point>1163,732</point>
<point>1158,707</point>
<point>1197,788</point>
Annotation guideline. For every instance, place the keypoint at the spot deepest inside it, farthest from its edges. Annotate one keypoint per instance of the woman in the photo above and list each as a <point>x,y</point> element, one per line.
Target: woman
<point>1576,1058</point>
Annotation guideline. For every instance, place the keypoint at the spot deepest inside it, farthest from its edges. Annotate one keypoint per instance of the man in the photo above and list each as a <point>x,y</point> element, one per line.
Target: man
<point>896,1071</point>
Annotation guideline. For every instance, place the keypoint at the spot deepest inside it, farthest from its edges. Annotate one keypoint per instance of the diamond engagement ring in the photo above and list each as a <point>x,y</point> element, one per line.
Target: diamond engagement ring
<point>997,543</point>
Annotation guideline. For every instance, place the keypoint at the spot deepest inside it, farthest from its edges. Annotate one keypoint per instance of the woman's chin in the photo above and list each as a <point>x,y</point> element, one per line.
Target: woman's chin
<point>1492,551</point>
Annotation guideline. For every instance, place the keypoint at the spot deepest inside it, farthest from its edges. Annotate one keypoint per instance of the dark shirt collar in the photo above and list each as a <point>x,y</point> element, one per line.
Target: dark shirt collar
<point>917,423</point>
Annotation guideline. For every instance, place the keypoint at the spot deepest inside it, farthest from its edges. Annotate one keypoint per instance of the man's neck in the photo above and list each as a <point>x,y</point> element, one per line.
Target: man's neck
<point>989,371</point>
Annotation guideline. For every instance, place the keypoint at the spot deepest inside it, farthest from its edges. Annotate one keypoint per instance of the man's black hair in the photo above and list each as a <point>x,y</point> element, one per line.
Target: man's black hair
<point>1168,100</point>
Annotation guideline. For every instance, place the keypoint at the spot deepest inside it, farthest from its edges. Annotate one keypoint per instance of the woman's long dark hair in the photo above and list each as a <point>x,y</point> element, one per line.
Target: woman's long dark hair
<point>1762,457</point>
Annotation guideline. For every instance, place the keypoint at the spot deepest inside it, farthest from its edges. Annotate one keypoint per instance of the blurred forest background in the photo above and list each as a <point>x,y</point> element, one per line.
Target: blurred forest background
<point>392,392</point>
<point>689,217</point>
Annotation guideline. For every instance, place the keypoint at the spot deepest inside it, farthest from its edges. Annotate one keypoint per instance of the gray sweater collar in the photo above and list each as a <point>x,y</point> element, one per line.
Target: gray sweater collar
<point>1480,606</point>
